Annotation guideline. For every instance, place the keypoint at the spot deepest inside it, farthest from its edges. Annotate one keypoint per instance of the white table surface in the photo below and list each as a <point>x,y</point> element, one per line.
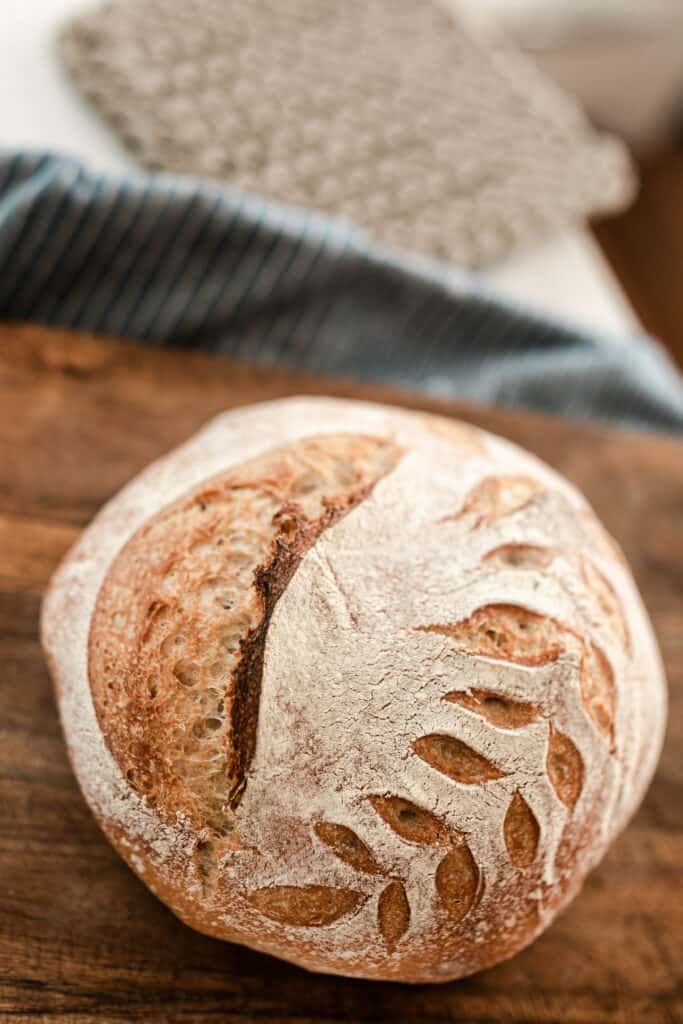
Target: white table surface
<point>39,107</point>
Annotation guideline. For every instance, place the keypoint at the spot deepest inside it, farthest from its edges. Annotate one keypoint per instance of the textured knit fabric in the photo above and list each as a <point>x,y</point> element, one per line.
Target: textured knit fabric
<point>390,113</point>
<point>191,264</point>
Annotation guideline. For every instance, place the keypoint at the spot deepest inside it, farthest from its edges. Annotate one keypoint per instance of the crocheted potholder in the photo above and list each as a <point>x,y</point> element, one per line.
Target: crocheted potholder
<point>389,113</point>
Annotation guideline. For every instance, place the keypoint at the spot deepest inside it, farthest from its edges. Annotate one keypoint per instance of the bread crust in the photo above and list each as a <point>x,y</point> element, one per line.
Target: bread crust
<point>364,689</point>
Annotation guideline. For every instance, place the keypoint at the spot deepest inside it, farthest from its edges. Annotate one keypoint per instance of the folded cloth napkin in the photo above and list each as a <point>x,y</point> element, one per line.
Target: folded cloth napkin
<point>192,264</point>
<point>396,114</point>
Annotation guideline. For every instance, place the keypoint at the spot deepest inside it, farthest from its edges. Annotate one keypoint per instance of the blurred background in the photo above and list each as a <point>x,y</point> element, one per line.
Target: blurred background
<point>88,79</point>
<point>623,60</point>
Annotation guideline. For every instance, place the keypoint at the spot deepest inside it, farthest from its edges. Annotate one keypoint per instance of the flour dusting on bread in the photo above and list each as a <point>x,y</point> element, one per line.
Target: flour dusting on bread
<point>366,689</point>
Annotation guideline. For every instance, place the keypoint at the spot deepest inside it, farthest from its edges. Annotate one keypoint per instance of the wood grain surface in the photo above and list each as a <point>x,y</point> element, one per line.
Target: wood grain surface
<point>81,939</point>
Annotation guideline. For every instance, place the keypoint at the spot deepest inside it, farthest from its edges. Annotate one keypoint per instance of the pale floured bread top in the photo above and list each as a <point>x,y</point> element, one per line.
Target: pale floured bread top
<point>367,689</point>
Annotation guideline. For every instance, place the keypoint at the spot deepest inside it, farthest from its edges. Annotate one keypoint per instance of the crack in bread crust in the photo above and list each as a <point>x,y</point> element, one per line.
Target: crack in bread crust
<point>297,536</point>
<point>178,635</point>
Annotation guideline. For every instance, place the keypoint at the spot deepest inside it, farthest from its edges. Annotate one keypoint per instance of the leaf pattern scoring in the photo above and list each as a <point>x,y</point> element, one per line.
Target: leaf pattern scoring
<point>306,906</point>
<point>506,632</point>
<point>411,822</point>
<point>564,765</point>
<point>461,434</point>
<point>598,691</point>
<point>346,845</point>
<point>498,496</point>
<point>520,556</point>
<point>499,631</point>
<point>457,881</point>
<point>521,831</point>
<point>497,709</point>
<point>455,759</point>
<point>393,914</point>
<point>608,602</point>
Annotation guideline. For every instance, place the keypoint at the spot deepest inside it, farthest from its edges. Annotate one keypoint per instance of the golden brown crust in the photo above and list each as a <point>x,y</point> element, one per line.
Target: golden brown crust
<point>178,633</point>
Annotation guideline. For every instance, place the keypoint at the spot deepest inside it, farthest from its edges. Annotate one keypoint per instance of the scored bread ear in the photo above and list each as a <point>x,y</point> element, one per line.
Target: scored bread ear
<point>178,645</point>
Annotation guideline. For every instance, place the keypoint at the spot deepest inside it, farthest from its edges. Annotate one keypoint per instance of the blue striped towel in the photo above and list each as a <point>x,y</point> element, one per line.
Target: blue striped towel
<point>188,263</point>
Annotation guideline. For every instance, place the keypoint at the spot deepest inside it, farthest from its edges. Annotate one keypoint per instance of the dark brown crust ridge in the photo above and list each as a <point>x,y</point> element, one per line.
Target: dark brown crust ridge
<point>297,535</point>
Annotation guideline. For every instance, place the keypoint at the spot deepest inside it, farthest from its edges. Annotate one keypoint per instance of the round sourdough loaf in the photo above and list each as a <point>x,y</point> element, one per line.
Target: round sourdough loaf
<point>368,690</point>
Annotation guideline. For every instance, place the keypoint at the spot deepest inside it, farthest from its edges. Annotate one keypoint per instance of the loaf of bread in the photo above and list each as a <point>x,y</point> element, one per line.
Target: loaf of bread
<point>368,690</point>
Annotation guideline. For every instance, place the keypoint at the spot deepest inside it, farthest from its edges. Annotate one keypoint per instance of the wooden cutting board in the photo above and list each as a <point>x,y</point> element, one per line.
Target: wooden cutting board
<point>81,939</point>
